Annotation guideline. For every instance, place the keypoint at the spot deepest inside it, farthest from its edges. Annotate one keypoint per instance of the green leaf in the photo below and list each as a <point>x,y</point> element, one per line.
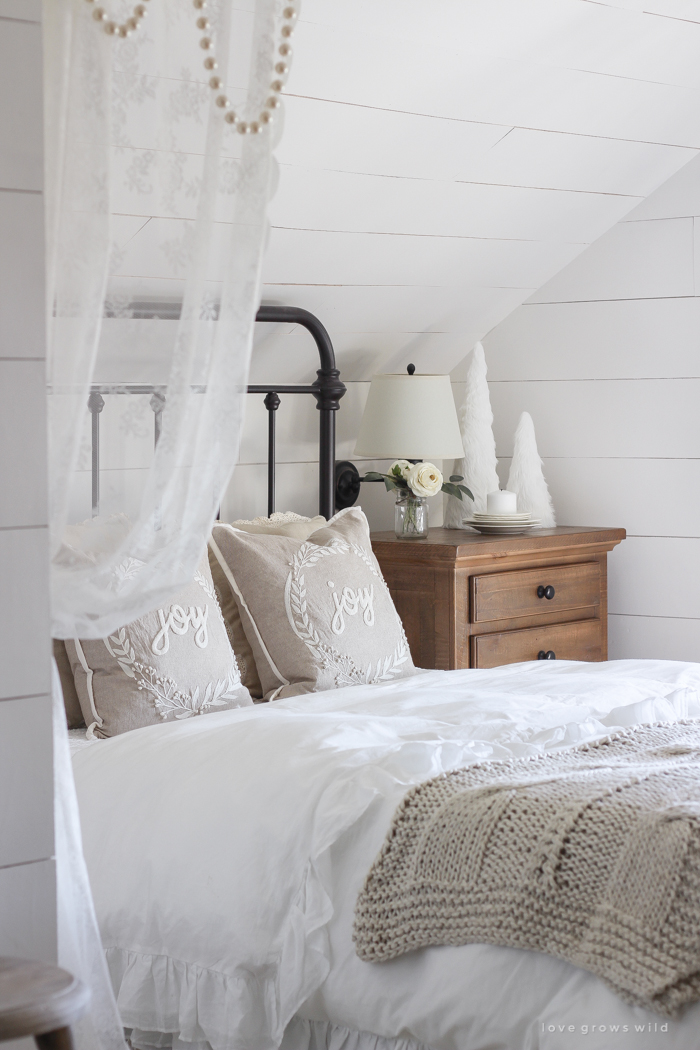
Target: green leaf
<point>451,490</point>
<point>456,490</point>
<point>396,471</point>
<point>390,484</point>
<point>456,477</point>
<point>372,475</point>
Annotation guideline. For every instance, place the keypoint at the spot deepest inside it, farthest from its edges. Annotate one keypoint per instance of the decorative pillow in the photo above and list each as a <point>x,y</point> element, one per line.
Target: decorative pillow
<point>316,612</point>
<point>279,524</point>
<point>171,663</point>
<point>74,714</point>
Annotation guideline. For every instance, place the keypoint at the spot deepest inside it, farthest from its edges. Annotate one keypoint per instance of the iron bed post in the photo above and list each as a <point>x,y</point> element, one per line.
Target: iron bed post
<point>157,404</point>
<point>95,404</point>
<point>327,388</point>
<point>272,403</point>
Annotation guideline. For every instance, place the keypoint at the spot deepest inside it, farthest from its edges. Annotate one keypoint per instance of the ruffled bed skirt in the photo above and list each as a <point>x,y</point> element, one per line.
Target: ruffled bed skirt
<point>299,1035</point>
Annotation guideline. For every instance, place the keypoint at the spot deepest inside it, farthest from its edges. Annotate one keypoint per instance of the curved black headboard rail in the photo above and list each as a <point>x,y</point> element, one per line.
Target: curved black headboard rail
<point>327,388</point>
<point>295,315</point>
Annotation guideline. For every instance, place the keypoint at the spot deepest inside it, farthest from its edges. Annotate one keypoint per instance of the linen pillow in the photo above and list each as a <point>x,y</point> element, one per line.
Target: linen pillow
<point>174,662</point>
<point>279,524</point>
<point>74,714</point>
<point>316,612</point>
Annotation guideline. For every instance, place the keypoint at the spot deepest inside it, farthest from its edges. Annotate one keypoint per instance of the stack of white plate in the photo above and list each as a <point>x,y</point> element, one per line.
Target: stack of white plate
<point>503,524</point>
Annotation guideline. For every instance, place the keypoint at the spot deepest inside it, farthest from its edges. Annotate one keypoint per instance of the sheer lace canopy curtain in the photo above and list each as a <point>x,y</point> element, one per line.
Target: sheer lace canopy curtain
<point>153,195</point>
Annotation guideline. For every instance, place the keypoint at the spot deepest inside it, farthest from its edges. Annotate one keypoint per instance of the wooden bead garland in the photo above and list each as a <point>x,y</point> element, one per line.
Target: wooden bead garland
<point>281,68</point>
<point>122,29</point>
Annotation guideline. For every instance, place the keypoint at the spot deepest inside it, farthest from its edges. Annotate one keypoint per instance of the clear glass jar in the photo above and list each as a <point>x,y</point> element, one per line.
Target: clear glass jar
<point>411,517</point>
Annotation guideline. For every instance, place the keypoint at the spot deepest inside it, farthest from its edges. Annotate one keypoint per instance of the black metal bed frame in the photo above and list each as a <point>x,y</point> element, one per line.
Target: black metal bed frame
<point>327,388</point>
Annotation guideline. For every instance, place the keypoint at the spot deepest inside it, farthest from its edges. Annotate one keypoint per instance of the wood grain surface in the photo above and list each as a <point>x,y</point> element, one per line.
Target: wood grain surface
<point>456,589</point>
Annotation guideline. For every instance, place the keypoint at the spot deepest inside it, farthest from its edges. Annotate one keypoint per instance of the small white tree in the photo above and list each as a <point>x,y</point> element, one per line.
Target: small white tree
<point>526,477</point>
<point>478,468</point>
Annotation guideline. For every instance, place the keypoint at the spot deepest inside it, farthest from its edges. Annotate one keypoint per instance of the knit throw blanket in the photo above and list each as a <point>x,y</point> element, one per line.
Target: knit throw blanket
<point>591,855</point>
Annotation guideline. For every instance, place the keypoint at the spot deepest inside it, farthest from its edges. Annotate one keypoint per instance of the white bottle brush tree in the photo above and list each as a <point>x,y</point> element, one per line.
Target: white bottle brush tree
<point>526,477</point>
<point>478,466</point>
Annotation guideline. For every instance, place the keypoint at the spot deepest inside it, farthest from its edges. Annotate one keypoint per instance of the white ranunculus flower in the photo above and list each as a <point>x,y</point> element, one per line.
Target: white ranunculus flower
<point>403,465</point>
<point>424,479</point>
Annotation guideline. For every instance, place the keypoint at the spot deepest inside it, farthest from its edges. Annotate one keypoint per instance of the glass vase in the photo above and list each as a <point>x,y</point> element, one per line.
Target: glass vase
<point>411,517</point>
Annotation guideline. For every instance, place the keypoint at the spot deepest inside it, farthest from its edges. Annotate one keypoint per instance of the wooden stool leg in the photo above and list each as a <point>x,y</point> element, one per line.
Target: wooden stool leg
<point>61,1039</point>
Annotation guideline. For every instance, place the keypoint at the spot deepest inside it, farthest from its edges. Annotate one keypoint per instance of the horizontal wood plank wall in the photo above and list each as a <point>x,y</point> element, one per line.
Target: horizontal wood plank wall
<point>413,217</point>
<point>605,358</point>
<point>439,163</point>
<point>27,870</point>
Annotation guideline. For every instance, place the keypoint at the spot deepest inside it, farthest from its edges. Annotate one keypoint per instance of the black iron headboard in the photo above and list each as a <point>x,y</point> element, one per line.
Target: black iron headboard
<point>327,388</point>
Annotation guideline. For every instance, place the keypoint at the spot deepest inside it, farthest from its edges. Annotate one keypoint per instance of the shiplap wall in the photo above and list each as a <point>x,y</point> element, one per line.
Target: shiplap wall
<point>436,168</point>
<point>605,358</point>
<point>439,163</point>
<point>27,881</point>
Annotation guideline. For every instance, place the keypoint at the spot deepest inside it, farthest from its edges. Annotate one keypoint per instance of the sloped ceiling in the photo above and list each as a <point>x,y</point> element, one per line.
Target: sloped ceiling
<point>441,161</point>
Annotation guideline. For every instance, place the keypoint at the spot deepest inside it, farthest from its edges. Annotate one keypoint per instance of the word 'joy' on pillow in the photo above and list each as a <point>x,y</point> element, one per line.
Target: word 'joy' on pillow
<point>281,523</point>
<point>172,663</point>
<point>316,612</point>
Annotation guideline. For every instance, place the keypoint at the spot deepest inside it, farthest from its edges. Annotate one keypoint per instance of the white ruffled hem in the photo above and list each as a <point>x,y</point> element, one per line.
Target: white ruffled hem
<point>323,1035</point>
<point>161,996</point>
<point>208,1009</point>
<point>300,1034</point>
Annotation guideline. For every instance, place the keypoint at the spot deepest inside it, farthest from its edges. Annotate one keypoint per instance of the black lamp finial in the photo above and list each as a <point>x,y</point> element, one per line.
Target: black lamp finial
<point>410,369</point>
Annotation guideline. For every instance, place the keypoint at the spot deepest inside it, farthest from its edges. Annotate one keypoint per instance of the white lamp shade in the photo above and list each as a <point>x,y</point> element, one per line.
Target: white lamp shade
<point>410,417</point>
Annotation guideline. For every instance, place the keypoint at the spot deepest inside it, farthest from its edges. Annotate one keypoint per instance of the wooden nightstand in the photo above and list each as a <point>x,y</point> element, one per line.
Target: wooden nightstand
<point>479,601</point>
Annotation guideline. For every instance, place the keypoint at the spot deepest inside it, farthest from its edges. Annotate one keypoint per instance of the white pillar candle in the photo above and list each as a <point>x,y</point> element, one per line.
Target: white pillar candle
<point>502,502</point>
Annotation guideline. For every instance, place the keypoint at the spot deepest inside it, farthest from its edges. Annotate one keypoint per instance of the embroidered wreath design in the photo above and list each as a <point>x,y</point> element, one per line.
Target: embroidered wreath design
<point>345,671</point>
<point>168,699</point>
<point>208,589</point>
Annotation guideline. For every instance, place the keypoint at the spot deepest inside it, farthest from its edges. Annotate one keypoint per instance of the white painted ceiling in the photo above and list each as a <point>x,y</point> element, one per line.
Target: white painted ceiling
<point>441,161</point>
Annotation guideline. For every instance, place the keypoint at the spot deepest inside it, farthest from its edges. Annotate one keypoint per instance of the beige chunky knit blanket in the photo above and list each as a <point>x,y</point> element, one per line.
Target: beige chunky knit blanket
<point>591,855</point>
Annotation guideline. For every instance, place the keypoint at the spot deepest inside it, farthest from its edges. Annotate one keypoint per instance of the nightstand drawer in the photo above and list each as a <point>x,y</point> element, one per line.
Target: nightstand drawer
<point>581,640</point>
<point>536,592</point>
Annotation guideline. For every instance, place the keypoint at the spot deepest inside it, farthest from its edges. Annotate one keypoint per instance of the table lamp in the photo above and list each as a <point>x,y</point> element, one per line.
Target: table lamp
<point>407,416</point>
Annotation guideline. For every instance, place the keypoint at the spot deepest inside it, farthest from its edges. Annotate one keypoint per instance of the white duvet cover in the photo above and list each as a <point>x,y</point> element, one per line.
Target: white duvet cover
<point>226,853</point>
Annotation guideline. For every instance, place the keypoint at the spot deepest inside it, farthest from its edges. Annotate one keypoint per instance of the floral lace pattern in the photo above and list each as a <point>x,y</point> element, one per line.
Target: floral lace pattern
<point>151,198</point>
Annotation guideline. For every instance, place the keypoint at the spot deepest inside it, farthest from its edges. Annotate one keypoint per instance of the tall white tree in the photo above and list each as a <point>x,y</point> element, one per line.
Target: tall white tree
<point>478,467</point>
<point>526,477</point>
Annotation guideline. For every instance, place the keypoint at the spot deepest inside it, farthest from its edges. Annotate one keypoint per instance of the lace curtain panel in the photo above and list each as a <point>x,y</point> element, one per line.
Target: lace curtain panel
<point>152,197</point>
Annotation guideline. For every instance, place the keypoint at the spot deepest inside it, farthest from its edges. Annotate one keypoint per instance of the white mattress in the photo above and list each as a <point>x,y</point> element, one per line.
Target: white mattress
<point>226,854</point>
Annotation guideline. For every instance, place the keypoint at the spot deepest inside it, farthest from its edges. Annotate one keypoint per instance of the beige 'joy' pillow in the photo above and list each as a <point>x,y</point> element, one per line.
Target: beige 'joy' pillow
<point>279,524</point>
<point>316,612</point>
<point>172,663</point>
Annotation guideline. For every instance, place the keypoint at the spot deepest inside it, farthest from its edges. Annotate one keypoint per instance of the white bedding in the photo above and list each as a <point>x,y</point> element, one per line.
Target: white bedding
<point>77,740</point>
<point>226,852</point>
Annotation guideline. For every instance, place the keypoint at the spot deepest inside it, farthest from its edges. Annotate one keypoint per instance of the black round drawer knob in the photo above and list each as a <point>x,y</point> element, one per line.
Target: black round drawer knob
<point>549,655</point>
<point>545,592</point>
